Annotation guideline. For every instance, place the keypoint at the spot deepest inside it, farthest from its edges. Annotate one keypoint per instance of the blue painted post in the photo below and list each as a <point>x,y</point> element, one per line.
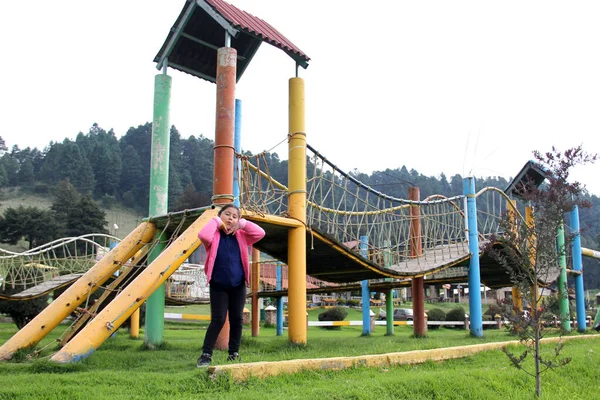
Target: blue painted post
<point>279,286</point>
<point>366,296</point>
<point>474,276</point>
<point>578,266</point>
<point>237,145</point>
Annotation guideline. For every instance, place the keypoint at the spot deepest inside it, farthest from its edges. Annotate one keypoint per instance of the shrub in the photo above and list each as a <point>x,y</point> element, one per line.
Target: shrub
<point>333,314</point>
<point>109,201</point>
<point>353,302</point>
<point>493,310</point>
<point>436,314</point>
<point>456,314</point>
<point>21,311</point>
<point>341,302</point>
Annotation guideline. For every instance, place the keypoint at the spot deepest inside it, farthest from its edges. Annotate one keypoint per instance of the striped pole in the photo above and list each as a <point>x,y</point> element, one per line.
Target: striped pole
<point>578,266</point>
<point>366,296</point>
<point>476,325</point>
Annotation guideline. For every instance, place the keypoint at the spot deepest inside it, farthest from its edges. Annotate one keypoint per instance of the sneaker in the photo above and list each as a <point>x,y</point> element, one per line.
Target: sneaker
<point>235,356</point>
<point>204,360</point>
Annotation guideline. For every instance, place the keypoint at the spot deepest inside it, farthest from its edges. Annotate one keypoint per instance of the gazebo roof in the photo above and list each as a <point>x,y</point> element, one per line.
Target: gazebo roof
<point>532,174</point>
<point>199,31</point>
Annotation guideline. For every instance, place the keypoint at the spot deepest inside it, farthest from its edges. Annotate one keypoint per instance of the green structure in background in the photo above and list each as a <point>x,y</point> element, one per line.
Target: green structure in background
<point>159,190</point>
<point>562,280</point>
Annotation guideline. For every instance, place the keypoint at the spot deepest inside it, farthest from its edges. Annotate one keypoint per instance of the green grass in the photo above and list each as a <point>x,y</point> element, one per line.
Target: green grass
<point>122,369</point>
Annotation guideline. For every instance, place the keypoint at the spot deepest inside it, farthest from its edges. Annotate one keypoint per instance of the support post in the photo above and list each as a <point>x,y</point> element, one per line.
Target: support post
<point>224,144</point>
<point>366,296</point>
<point>159,193</point>
<point>237,144</point>
<point>279,286</point>
<point>563,294</point>
<point>389,297</point>
<point>255,283</point>
<point>475,314</point>
<point>416,250</point>
<point>578,266</point>
<point>297,210</point>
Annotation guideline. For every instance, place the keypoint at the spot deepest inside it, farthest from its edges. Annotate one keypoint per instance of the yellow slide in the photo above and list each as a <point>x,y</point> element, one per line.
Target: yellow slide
<point>134,295</point>
<point>78,292</point>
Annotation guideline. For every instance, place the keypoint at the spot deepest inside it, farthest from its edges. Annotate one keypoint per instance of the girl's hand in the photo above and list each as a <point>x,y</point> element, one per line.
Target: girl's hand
<point>229,229</point>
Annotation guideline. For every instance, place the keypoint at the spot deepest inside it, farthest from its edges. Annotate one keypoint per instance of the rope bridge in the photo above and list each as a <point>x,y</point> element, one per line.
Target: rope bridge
<point>344,209</point>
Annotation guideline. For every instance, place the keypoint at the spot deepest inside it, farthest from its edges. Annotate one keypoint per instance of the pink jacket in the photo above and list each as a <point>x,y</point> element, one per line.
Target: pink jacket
<point>247,234</point>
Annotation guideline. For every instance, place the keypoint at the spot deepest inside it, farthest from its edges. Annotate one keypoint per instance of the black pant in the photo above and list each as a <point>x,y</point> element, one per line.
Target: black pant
<point>221,301</point>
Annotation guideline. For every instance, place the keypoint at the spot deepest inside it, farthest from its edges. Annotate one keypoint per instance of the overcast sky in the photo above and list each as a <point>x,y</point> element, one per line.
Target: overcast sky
<point>467,87</point>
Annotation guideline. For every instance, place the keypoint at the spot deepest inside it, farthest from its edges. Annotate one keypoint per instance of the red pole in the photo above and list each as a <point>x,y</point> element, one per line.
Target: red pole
<point>224,126</point>
<point>224,150</point>
<point>416,250</point>
<point>254,283</point>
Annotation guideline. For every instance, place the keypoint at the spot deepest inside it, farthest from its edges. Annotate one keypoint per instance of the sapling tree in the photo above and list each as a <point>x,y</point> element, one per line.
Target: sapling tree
<point>529,253</point>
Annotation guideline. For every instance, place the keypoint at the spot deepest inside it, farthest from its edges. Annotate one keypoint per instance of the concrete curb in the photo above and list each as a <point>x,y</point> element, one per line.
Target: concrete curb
<point>241,372</point>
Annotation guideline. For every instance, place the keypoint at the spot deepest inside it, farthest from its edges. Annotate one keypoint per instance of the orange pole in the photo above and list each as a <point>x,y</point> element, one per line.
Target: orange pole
<point>416,250</point>
<point>254,283</point>
<point>224,126</point>
<point>224,146</point>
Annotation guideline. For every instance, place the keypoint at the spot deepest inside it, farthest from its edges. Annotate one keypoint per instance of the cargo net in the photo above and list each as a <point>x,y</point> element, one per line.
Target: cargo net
<point>61,257</point>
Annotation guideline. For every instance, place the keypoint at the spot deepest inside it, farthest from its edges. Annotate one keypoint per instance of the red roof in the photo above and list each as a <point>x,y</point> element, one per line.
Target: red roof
<point>256,26</point>
<point>199,31</point>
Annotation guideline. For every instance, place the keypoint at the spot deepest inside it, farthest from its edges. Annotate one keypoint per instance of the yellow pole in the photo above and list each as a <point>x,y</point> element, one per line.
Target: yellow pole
<point>134,324</point>
<point>130,298</point>
<point>297,210</point>
<point>516,294</point>
<point>78,292</point>
<point>531,249</point>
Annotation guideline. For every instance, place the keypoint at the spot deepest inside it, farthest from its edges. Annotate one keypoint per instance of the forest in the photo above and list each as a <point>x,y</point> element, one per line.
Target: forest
<point>110,170</point>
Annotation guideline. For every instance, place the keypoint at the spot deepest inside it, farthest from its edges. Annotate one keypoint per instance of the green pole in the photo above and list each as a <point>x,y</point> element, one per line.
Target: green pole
<point>389,298</point>
<point>562,280</point>
<point>159,190</point>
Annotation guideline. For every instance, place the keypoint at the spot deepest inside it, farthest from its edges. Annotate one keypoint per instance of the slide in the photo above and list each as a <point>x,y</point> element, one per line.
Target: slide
<point>78,292</point>
<point>134,295</point>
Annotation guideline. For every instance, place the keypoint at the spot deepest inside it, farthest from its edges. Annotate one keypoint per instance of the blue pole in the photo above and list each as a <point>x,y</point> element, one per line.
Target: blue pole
<point>237,145</point>
<point>366,296</point>
<point>278,286</point>
<point>578,266</point>
<point>474,276</point>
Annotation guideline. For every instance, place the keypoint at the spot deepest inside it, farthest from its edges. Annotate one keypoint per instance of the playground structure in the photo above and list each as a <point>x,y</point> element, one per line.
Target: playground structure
<point>324,223</point>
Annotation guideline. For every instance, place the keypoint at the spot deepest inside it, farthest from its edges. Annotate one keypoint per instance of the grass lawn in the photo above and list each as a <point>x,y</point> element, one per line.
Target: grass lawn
<point>123,369</point>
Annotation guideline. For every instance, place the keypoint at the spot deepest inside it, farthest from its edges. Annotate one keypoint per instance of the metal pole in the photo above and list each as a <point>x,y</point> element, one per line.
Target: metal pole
<point>476,325</point>
<point>416,250</point>
<point>366,296</point>
<point>159,193</point>
<point>563,293</point>
<point>279,286</point>
<point>389,298</point>
<point>297,210</point>
<point>578,266</point>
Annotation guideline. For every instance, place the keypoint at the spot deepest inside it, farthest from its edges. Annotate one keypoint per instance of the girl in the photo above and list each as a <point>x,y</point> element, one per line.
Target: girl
<point>226,239</point>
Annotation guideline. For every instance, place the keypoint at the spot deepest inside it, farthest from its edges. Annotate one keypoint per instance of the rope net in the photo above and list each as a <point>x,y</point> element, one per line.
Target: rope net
<point>343,208</point>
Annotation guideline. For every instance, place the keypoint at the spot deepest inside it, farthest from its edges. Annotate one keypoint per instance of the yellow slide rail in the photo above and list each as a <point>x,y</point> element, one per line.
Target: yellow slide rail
<point>78,292</point>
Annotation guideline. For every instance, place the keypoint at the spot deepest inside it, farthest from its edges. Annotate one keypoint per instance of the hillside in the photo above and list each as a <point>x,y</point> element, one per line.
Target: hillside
<point>125,218</point>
